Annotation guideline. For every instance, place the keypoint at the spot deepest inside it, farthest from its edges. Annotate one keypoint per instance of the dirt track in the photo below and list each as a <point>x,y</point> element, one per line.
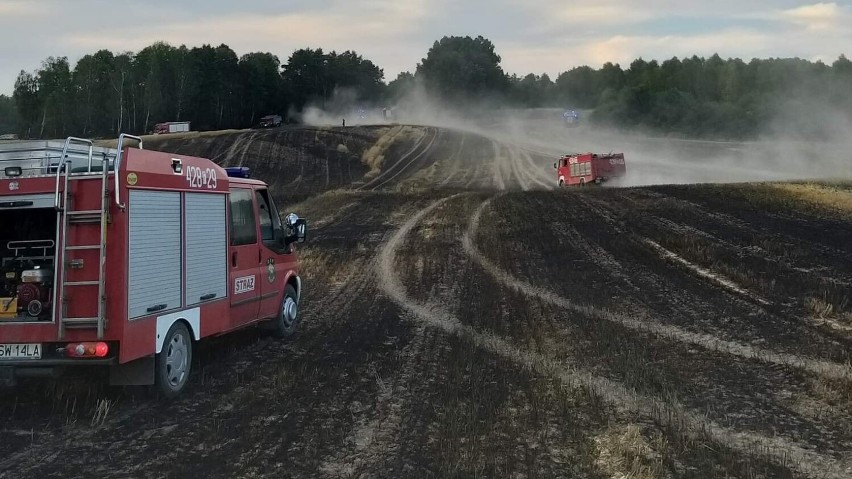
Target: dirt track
<point>462,317</point>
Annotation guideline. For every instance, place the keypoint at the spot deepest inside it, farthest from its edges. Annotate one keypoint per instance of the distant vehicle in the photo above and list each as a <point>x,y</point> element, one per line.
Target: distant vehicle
<point>9,136</point>
<point>579,169</point>
<point>270,121</point>
<point>123,258</point>
<point>171,127</point>
<point>571,118</point>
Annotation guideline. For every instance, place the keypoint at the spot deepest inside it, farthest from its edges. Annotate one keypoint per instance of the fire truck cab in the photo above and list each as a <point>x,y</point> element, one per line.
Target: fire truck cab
<point>127,260</point>
<point>581,169</point>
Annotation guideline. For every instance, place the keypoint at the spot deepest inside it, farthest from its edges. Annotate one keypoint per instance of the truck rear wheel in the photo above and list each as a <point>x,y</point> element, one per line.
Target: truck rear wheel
<point>174,361</point>
<point>287,322</point>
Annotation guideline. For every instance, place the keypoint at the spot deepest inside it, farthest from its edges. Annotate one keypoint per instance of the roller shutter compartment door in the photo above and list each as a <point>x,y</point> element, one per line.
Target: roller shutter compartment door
<point>206,248</point>
<point>155,262</point>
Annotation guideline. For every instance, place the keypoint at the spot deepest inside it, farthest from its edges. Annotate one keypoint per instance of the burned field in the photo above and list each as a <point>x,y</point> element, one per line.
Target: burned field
<point>462,318</point>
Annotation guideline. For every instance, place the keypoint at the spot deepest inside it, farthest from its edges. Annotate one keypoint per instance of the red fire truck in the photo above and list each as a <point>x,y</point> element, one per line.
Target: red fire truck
<point>579,169</point>
<point>125,261</point>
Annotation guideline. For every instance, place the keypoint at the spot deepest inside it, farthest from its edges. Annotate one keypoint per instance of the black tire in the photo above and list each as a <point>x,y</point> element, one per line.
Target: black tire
<point>174,361</point>
<point>582,182</point>
<point>287,322</point>
<point>561,184</point>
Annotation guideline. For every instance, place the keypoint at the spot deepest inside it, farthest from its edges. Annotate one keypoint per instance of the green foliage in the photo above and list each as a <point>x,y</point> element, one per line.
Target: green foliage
<point>463,68</point>
<point>8,115</point>
<point>712,97</point>
<point>532,91</point>
<point>403,84</point>
<point>210,86</point>
<point>313,76</point>
<point>107,93</point>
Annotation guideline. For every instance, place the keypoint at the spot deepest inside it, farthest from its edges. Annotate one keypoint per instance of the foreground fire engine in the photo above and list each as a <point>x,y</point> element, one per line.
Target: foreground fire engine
<point>124,258</point>
<point>580,169</point>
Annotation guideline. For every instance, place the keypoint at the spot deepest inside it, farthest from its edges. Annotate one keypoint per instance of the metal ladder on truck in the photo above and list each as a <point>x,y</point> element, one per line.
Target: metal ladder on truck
<point>67,219</point>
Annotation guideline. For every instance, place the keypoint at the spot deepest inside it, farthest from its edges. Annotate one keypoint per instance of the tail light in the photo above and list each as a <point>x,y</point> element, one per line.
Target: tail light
<point>87,350</point>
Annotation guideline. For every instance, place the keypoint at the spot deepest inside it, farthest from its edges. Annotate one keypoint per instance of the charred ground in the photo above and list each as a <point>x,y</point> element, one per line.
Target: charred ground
<point>463,318</point>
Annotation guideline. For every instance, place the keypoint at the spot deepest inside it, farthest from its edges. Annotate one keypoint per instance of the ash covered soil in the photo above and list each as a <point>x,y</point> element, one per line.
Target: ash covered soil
<point>464,318</point>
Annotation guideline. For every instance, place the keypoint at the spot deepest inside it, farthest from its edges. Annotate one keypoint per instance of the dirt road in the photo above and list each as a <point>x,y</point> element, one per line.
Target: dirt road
<point>462,317</point>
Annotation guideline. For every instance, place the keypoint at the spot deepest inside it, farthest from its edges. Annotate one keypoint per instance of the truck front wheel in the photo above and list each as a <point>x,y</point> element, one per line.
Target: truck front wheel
<point>174,361</point>
<point>287,322</point>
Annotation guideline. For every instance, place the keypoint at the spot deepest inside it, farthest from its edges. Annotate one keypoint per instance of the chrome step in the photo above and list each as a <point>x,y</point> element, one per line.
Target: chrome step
<point>81,283</point>
<point>80,322</point>
<point>94,247</point>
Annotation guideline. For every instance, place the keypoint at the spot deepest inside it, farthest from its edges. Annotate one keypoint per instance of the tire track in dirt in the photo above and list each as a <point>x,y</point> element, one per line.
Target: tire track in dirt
<point>410,152</point>
<point>707,341</point>
<point>497,166</point>
<point>669,413</point>
<point>454,162</point>
<point>536,172</point>
<point>402,165</point>
<point>774,279</point>
<point>480,175</point>
<point>749,228</point>
<point>603,258</point>
<point>377,440</point>
<point>717,278</point>
<point>513,160</point>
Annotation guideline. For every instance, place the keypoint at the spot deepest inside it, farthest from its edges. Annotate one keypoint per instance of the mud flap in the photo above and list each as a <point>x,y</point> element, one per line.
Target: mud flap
<point>7,377</point>
<point>135,373</point>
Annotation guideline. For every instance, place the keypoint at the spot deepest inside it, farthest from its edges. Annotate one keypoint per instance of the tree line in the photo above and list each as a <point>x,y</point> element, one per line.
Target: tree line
<point>105,93</point>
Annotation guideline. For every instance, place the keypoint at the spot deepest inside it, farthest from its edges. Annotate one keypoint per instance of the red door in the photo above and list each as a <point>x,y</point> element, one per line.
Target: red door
<point>244,260</point>
<point>274,260</point>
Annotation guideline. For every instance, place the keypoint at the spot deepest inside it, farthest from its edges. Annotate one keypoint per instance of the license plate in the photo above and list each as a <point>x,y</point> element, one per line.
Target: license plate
<point>20,351</point>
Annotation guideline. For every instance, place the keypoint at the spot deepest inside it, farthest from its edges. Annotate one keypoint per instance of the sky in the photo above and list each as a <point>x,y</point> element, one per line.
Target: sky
<point>531,36</point>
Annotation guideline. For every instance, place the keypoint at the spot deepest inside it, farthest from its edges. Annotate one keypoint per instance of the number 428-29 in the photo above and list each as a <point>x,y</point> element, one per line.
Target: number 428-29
<point>200,178</point>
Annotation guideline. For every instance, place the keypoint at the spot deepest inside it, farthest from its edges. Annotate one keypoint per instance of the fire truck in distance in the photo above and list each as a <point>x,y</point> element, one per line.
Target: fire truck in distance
<point>125,258</point>
<point>171,127</point>
<point>580,169</point>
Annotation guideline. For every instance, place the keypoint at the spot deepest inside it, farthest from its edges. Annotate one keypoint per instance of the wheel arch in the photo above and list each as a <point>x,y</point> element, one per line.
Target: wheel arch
<point>191,318</point>
<point>296,281</point>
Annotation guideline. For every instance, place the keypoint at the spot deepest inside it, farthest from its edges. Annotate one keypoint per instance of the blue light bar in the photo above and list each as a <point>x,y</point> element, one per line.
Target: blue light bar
<point>237,171</point>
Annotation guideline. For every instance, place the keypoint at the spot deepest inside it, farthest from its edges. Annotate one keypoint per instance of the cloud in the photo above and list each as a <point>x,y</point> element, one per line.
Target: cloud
<point>603,14</point>
<point>623,49</point>
<point>11,10</point>
<point>819,16</point>
<point>378,25</point>
<point>545,36</point>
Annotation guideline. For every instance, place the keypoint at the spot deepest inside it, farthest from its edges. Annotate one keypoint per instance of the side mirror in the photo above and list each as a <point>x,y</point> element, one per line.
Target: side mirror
<point>299,227</point>
<point>554,165</point>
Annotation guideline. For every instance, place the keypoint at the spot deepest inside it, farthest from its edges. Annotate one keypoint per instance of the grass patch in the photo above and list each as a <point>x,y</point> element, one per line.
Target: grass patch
<point>836,197</point>
<point>624,452</point>
<point>374,157</point>
<point>113,142</point>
